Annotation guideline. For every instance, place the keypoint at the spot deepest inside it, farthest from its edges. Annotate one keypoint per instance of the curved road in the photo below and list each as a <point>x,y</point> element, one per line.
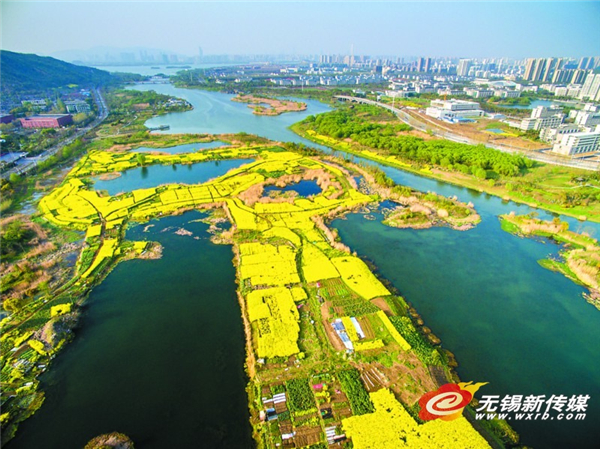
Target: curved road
<point>422,126</point>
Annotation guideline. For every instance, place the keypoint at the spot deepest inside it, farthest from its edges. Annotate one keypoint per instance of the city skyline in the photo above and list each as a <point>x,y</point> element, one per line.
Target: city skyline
<point>434,29</point>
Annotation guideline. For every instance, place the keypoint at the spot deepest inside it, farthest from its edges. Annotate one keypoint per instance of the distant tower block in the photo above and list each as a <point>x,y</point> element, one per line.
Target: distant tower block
<point>200,53</point>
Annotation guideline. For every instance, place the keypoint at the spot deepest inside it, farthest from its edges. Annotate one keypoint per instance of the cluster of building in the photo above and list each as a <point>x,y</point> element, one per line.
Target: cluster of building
<point>579,137</point>
<point>74,102</point>
<point>335,80</point>
<point>588,91</point>
<point>482,88</point>
<point>557,70</point>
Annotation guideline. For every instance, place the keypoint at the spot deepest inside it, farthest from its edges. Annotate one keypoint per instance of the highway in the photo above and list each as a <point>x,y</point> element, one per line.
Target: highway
<point>32,162</point>
<point>422,126</point>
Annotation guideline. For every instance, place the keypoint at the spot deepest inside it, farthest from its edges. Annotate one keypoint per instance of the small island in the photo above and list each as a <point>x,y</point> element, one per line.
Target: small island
<point>114,440</point>
<point>579,259</point>
<point>270,106</point>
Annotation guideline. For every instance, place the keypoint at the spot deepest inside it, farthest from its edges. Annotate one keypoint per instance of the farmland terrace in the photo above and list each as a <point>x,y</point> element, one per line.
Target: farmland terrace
<point>329,347</point>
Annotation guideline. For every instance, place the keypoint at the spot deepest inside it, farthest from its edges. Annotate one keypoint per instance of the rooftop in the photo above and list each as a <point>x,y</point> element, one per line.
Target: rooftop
<point>46,116</point>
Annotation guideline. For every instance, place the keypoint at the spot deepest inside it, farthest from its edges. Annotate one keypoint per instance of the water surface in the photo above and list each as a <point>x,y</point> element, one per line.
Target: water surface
<point>157,175</point>
<point>185,148</point>
<point>215,113</point>
<point>159,354</point>
<point>532,105</point>
<point>303,188</point>
<point>523,329</point>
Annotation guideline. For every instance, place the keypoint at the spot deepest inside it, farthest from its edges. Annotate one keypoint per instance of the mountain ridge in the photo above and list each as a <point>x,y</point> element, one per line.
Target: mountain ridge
<point>23,73</point>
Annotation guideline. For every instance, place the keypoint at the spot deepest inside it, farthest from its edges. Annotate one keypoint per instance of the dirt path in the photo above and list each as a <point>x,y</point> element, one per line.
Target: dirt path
<point>333,337</point>
<point>380,302</point>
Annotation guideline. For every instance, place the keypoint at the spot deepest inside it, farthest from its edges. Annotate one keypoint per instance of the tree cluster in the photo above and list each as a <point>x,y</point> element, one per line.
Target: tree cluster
<point>473,159</point>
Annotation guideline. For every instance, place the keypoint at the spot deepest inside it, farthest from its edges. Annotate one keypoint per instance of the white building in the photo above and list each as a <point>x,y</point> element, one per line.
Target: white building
<point>591,88</point>
<point>577,143</point>
<point>542,117</point>
<point>77,106</point>
<point>478,93</point>
<point>502,93</point>
<point>561,91</point>
<point>424,89</point>
<point>543,111</point>
<point>453,110</point>
<point>588,119</point>
<point>528,124</point>
<point>449,91</point>
<point>553,134</point>
<point>463,67</point>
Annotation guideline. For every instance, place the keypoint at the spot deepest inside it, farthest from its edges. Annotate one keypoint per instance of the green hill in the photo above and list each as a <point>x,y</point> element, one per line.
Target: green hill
<point>28,72</point>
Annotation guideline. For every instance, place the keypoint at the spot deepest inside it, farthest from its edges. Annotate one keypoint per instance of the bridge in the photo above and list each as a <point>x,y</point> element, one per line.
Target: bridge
<point>421,125</point>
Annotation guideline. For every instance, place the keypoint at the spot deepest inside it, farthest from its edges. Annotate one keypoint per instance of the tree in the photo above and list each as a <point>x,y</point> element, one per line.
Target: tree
<point>141,159</point>
<point>14,178</point>
<point>14,237</point>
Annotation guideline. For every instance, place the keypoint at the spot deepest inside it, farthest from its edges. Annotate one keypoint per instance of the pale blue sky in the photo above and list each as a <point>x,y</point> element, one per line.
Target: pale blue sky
<point>442,28</point>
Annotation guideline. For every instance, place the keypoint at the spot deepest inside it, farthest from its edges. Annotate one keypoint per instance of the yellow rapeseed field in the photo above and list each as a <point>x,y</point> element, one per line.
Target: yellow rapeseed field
<point>391,427</point>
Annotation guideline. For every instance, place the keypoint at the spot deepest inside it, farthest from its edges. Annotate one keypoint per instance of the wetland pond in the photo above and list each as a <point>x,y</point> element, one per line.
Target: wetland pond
<point>160,352</point>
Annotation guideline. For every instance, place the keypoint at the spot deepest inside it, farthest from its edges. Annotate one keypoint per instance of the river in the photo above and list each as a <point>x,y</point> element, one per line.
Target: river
<point>151,329</point>
<point>158,69</point>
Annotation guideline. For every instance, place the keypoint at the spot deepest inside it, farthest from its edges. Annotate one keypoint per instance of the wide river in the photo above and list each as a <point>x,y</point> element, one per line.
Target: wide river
<point>159,355</point>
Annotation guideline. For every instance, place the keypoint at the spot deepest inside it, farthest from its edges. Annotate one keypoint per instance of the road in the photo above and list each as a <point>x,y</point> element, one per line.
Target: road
<point>422,126</point>
<point>32,162</point>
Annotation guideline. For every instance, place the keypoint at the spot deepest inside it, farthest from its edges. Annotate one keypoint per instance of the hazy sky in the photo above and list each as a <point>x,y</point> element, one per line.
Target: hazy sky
<point>442,28</point>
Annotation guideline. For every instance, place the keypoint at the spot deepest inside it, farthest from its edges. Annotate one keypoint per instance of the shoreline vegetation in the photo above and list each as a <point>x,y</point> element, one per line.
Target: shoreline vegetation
<point>579,259</point>
<point>373,134</point>
<point>269,106</point>
<point>114,440</point>
<point>295,280</point>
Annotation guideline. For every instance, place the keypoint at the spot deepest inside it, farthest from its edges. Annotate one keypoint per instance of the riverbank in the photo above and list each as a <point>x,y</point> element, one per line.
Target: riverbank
<point>289,265</point>
<point>580,258</point>
<point>505,191</point>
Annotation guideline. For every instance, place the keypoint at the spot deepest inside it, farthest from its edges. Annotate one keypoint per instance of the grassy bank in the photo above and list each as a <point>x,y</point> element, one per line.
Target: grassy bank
<point>295,281</point>
<point>557,189</point>
<point>579,259</point>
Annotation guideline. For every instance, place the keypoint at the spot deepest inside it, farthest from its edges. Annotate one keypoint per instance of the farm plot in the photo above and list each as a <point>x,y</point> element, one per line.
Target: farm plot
<point>316,266</point>
<point>108,249</point>
<point>274,319</point>
<point>265,264</point>
<point>343,300</point>
<point>421,347</point>
<point>390,427</point>
<point>359,278</point>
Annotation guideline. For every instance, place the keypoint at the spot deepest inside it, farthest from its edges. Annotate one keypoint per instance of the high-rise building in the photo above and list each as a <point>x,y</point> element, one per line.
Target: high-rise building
<point>463,67</point>
<point>420,64</point>
<point>427,65</point>
<point>539,69</point>
<point>529,69</point>
<point>562,76</point>
<point>578,76</point>
<point>583,63</point>
<point>591,88</point>
<point>549,69</point>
